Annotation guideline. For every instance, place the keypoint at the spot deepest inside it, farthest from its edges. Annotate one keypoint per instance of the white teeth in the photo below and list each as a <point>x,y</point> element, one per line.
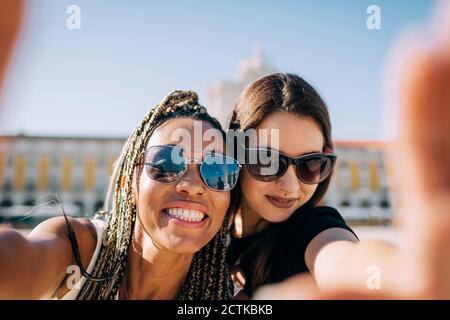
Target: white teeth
<point>186,214</point>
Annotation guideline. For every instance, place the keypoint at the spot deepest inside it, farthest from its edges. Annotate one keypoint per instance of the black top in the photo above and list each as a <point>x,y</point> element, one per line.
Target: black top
<point>290,243</point>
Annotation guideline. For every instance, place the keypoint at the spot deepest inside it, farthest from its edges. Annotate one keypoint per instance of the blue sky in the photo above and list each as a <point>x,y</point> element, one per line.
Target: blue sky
<point>100,80</point>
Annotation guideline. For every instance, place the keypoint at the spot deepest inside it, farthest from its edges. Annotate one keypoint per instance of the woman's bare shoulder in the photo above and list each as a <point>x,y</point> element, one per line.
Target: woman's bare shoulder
<point>35,266</point>
<point>57,227</point>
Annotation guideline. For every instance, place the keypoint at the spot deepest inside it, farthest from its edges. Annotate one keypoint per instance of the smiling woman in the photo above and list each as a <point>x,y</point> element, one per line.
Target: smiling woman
<point>164,236</point>
<point>279,215</point>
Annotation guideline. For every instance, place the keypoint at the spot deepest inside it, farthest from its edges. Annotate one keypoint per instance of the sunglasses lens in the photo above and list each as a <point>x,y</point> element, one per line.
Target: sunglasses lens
<point>314,169</point>
<point>220,172</point>
<point>265,165</point>
<point>165,163</point>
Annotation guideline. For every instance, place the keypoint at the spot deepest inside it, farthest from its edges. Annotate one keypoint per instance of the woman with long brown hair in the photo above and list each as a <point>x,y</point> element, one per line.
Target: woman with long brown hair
<point>416,84</point>
<point>279,228</point>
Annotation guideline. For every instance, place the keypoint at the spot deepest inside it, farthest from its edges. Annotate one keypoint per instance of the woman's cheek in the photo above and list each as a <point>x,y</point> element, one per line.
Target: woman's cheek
<point>249,184</point>
<point>220,202</point>
<point>308,192</point>
<point>253,192</point>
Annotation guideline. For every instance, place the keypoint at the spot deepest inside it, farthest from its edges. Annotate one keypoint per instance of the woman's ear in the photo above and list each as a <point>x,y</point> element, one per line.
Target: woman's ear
<point>134,187</point>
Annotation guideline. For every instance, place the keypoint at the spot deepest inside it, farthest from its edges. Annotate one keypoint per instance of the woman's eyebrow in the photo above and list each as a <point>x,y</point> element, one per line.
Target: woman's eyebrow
<point>312,152</point>
<point>281,151</point>
<point>302,154</point>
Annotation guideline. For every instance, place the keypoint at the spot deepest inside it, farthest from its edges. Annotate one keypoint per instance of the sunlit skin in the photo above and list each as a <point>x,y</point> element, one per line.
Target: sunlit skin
<point>190,192</point>
<point>162,249</point>
<point>297,136</point>
<point>11,13</point>
<point>419,270</point>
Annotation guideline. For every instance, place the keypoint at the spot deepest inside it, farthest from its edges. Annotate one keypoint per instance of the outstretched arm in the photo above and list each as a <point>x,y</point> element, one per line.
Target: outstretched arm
<point>34,267</point>
<point>420,158</point>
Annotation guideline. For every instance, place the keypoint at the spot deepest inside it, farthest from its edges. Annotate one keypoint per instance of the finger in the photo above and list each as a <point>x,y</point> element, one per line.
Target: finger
<point>10,20</point>
<point>298,287</point>
<point>423,86</point>
<point>421,156</point>
<point>303,287</point>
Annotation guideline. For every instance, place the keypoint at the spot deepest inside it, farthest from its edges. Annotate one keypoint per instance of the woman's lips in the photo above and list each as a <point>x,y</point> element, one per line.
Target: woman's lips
<point>185,223</point>
<point>188,205</point>
<point>281,202</point>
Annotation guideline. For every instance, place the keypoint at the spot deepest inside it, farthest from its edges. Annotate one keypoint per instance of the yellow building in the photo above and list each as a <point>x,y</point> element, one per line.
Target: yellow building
<point>33,169</point>
<point>360,184</point>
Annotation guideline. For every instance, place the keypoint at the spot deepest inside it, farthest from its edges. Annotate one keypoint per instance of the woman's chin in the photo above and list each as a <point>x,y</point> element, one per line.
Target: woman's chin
<point>185,246</point>
<point>279,216</point>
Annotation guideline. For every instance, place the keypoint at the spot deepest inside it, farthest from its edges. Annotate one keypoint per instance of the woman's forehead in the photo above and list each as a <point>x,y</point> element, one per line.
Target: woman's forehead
<point>189,134</point>
<point>290,133</point>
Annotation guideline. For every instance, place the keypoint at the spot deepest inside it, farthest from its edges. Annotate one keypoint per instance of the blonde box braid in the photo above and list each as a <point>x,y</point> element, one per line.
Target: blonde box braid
<point>208,277</point>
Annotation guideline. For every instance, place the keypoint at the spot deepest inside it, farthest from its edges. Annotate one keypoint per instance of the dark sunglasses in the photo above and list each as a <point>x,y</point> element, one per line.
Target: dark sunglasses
<point>168,164</point>
<point>269,165</point>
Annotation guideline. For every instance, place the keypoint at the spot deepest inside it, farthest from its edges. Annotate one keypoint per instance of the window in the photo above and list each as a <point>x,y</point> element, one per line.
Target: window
<point>6,203</point>
<point>345,203</point>
<point>98,205</point>
<point>365,203</point>
<point>29,202</point>
<point>384,203</point>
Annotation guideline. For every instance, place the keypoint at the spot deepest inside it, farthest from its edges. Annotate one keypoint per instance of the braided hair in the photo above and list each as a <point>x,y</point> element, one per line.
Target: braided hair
<point>208,276</point>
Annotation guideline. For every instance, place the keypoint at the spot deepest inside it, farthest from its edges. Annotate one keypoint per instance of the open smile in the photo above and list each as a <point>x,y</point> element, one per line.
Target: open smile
<point>186,214</point>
